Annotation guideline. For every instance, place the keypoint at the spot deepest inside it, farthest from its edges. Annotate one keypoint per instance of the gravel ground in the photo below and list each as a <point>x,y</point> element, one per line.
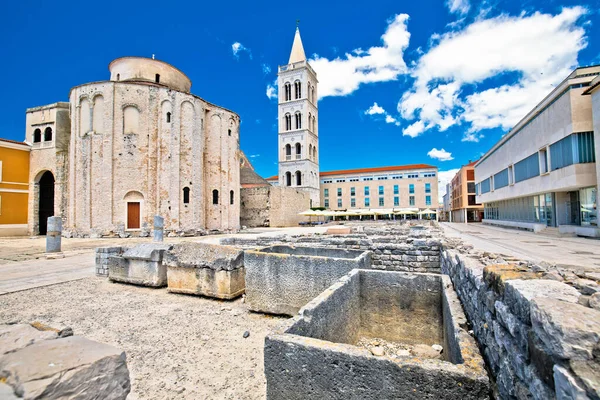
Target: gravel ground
<point>177,346</point>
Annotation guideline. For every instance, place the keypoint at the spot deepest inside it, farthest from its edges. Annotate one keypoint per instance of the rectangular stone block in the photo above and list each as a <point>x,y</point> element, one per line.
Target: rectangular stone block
<point>141,265</point>
<point>207,282</point>
<point>282,279</point>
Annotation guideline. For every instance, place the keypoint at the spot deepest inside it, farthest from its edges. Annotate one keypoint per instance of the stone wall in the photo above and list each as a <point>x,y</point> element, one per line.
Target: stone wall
<point>102,258</point>
<point>390,252</point>
<point>272,206</point>
<point>538,341</point>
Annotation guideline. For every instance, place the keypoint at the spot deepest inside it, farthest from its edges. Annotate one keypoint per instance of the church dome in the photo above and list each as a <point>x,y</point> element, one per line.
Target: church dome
<point>142,69</point>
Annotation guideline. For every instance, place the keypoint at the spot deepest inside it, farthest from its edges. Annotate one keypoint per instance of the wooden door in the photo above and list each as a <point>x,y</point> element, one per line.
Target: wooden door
<point>133,215</point>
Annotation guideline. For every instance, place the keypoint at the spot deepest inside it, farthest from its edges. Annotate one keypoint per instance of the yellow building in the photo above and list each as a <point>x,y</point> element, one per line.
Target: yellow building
<point>14,187</point>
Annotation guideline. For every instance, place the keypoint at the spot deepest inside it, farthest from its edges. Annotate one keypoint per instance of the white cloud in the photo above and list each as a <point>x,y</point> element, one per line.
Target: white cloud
<point>444,177</point>
<point>237,48</point>
<point>458,6</point>
<point>254,155</point>
<point>343,75</point>
<point>272,90</point>
<point>533,52</point>
<point>441,154</point>
<point>266,69</point>
<point>375,109</point>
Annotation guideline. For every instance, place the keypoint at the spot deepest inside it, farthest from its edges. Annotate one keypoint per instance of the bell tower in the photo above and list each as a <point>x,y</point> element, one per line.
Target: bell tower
<point>299,124</point>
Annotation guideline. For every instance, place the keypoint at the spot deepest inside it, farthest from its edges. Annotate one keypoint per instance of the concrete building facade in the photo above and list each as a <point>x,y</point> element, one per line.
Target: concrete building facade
<point>298,118</point>
<point>14,187</point>
<point>137,145</point>
<point>407,186</point>
<point>464,206</point>
<point>543,173</point>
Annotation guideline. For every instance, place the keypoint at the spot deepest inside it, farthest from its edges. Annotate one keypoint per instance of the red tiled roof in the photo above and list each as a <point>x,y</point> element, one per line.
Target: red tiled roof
<point>13,141</point>
<point>377,169</point>
<point>368,170</point>
<point>471,163</point>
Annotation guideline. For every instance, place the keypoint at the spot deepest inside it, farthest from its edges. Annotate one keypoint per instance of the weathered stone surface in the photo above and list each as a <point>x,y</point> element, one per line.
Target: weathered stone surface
<point>159,227</point>
<point>282,279</point>
<point>18,336</point>
<point>204,255</point>
<point>587,286</point>
<point>519,293</point>
<point>220,284</point>
<point>568,331</point>
<point>589,374</point>
<point>496,275</point>
<point>73,367</point>
<point>312,356</point>
<point>140,265</point>
<point>594,301</point>
<point>566,386</point>
<point>7,393</point>
<point>53,235</point>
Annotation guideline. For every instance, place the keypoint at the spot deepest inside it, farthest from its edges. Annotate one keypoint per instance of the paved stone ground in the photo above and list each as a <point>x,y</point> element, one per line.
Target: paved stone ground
<point>567,251</point>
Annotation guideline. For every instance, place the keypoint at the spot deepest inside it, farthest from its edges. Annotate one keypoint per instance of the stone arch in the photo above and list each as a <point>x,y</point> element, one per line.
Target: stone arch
<point>98,114</point>
<point>44,182</point>
<point>131,119</point>
<point>37,135</point>
<point>288,178</point>
<point>298,175</point>
<point>134,202</point>
<point>84,115</point>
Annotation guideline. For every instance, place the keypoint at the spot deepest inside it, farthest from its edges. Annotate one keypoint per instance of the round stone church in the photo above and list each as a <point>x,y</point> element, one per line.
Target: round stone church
<point>126,149</point>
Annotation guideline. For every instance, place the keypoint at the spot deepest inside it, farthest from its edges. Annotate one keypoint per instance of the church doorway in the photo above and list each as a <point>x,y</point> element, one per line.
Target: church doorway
<point>45,201</point>
<point>133,215</point>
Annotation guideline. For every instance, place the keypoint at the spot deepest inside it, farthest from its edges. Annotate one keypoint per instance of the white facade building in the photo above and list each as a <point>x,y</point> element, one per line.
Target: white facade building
<point>298,124</point>
<point>543,173</point>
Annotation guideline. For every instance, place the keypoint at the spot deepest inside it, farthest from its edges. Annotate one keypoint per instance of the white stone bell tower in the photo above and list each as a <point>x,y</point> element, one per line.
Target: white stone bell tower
<point>299,124</point>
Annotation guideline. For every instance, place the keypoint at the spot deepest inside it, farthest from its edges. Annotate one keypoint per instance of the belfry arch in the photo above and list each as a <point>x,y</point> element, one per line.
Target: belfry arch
<point>45,200</point>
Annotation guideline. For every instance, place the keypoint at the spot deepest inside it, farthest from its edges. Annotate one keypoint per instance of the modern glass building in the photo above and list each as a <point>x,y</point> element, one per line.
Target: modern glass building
<point>543,173</point>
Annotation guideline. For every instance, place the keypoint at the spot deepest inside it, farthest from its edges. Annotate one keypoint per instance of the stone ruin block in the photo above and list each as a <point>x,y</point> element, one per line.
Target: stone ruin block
<point>281,279</point>
<point>106,255</point>
<point>42,365</point>
<point>316,355</point>
<point>206,270</point>
<point>141,265</point>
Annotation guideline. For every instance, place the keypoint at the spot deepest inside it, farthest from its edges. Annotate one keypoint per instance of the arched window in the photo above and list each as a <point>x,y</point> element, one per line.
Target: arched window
<point>168,117</point>
<point>157,78</point>
<point>298,120</point>
<point>231,197</point>
<point>315,153</point>
<point>309,121</point>
<point>308,90</point>
<point>288,122</point>
<point>298,87</point>
<point>312,89</point>
<point>288,91</point>
<point>310,150</point>
<point>118,77</point>
<point>314,124</point>
<point>186,195</point>
<point>288,150</point>
<point>215,196</point>
<point>48,134</point>
<point>288,179</point>
<point>37,136</point>
<point>298,150</point>
<point>298,178</point>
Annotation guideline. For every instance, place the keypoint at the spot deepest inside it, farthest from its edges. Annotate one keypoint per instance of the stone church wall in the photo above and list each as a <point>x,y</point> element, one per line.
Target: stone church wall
<point>126,148</point>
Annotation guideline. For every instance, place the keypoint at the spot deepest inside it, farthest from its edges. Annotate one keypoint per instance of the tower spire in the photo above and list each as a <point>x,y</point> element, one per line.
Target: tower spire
<point>297,53</point>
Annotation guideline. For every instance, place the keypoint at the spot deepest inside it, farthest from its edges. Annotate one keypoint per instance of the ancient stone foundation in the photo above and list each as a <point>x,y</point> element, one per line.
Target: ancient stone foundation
<point>103,255</point>
<point>141,265</point>
<point>538,342</point>
<point>205,270</point>
<point>314,355</point>
<point>281,279</point>
<point>42,364</point>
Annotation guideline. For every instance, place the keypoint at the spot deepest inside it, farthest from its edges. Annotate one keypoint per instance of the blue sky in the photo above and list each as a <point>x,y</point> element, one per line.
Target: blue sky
<point>434,82</point>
